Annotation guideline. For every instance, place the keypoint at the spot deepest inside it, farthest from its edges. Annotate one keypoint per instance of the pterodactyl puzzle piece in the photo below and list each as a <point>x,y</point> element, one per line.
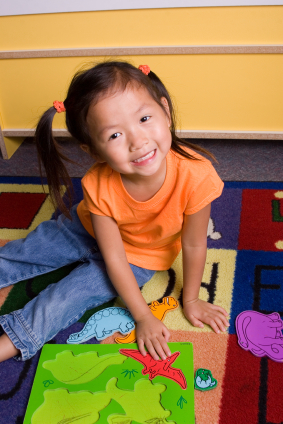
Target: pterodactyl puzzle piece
<point>160,367</point>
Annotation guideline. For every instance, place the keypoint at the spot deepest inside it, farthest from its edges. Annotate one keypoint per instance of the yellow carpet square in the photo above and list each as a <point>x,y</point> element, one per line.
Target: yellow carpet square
<point>220,267</point>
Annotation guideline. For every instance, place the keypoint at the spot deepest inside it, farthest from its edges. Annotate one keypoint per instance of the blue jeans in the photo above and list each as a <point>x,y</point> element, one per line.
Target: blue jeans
<point>50,246</point>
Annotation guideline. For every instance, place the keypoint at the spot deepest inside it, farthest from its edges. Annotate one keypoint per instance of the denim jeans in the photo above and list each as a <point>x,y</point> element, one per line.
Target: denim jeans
<point>50,246</point>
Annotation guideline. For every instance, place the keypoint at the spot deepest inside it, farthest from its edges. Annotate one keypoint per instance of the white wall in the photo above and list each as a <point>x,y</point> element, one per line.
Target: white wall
<point>29,7</point>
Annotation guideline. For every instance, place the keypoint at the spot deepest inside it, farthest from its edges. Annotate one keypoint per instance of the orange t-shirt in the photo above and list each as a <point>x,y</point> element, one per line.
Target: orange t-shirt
<point>151,230</point>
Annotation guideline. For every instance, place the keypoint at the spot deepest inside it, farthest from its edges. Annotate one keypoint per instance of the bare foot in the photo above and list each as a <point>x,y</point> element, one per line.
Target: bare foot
<point>7,349</point>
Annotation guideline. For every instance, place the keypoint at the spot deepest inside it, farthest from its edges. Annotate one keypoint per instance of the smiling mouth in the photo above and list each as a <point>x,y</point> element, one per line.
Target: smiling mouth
<point>147,156</point>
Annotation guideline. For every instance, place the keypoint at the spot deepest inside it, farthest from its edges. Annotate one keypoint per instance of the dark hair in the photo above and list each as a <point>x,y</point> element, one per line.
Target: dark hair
<point>86,88</point>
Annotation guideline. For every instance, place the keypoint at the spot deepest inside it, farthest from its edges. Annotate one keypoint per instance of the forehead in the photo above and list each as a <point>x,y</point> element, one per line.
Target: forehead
<point>118,101</point>
<point>132,92</point>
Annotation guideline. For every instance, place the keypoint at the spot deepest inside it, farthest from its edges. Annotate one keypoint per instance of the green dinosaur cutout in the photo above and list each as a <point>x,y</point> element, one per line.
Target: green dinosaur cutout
<point>71,369</point>
<point>141,405</point>
<point>62,407</point>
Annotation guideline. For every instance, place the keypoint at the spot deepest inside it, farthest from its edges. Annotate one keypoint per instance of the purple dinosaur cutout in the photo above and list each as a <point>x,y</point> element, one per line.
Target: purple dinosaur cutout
<point>261,334</point>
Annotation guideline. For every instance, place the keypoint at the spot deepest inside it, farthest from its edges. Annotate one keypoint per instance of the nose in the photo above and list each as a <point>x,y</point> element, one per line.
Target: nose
<point>137,141</point>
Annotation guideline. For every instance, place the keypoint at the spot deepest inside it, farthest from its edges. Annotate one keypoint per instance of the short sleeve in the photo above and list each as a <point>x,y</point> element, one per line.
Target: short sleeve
<point>93,200</point>
<point>207,187</point>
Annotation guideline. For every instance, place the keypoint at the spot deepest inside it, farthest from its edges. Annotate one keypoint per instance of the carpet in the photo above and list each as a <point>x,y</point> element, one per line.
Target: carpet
<point>244,271</point>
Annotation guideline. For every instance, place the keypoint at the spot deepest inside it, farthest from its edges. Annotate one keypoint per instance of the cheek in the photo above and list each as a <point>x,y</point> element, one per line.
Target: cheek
<point>115,154</point>
<point>161,131</point>
<point>166,137</point>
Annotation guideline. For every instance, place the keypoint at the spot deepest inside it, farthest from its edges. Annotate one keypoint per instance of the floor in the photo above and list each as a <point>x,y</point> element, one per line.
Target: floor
<point>238,160</point>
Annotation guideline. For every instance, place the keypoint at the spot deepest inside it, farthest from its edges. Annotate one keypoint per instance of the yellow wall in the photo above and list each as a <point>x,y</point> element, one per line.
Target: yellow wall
<point>211,92</point>
<point>148,27</point>
<point>236,92</point>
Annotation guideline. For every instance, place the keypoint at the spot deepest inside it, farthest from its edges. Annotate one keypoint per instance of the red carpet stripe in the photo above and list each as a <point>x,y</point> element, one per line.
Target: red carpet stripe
<point>240,387</point>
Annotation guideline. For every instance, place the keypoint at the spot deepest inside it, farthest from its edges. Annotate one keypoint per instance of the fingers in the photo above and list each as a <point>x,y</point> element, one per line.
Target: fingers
<point>156,345</point>
<point>166,334</point>
<point>158,349</point>
<point>211,315</point>
<point>155,349</point>
<point>141,347</point>
<point>217,325</point>
<point>222,312</point>
<point>216,321</point>
<point>223,318</point>
<point>195,322</point>
<point>220,309</point>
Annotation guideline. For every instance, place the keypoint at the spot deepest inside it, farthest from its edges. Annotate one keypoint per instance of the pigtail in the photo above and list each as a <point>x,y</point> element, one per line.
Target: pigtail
<point>50,156</point>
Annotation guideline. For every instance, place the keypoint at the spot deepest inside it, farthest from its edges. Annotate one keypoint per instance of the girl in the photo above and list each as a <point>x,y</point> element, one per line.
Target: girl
<point>147,196</point>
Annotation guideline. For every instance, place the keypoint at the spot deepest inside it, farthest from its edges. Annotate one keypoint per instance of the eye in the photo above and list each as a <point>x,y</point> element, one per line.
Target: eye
<point>145,118</point>
<point>113,136</point>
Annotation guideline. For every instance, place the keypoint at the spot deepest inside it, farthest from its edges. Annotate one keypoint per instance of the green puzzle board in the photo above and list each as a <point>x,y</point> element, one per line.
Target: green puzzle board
<point>175,399</point>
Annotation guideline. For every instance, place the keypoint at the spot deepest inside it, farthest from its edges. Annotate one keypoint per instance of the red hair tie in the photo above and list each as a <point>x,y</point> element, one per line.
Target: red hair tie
<point>145,69</point>
<point>59,106</point>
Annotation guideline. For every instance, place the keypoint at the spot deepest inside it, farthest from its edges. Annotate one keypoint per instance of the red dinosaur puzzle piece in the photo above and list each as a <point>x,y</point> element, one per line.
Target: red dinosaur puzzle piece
<point>161,367</point>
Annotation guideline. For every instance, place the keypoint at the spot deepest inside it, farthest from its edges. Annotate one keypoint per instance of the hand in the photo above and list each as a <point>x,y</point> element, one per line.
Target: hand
<point>199,312</point>
<point>153,334</point>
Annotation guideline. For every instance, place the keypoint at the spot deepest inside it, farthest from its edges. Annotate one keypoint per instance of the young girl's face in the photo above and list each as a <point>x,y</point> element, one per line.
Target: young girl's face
<point>131,132</point>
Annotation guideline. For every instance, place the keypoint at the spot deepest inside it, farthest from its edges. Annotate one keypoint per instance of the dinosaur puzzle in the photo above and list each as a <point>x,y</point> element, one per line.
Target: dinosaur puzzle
<point>104,384</point>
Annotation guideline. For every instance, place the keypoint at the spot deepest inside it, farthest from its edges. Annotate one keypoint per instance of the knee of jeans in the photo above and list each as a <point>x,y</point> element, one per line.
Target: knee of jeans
<point>142,275</point>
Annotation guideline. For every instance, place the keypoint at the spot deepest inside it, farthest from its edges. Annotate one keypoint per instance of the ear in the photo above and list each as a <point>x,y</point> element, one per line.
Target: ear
<point>87,150</point>
<point>167,109</point>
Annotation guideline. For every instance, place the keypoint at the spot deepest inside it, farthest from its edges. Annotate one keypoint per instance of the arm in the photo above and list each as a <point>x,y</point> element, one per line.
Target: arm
<point>150,332</point>
<point>194,245</point>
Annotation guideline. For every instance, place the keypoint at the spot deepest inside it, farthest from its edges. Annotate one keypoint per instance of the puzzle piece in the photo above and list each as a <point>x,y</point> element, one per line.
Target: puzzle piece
<point>71,369</point>
<point>60,406</point>
<point>141,405</point>
<point>204,380</point>
<point>261,334</point>
<point>161,367</point>
<point>104,323</point>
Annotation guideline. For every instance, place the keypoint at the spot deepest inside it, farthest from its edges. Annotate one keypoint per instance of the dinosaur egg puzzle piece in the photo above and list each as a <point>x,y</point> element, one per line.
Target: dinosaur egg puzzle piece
<point>204,380</point>
<point>261,334</point>
<point>103,324</point>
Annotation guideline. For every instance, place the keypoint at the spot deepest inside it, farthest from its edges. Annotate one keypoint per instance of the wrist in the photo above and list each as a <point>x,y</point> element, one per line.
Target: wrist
<point>188,302</point>
<point>142,315</point>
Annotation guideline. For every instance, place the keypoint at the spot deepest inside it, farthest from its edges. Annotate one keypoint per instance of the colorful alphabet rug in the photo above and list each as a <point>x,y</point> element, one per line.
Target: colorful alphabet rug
<point>244,272</point>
